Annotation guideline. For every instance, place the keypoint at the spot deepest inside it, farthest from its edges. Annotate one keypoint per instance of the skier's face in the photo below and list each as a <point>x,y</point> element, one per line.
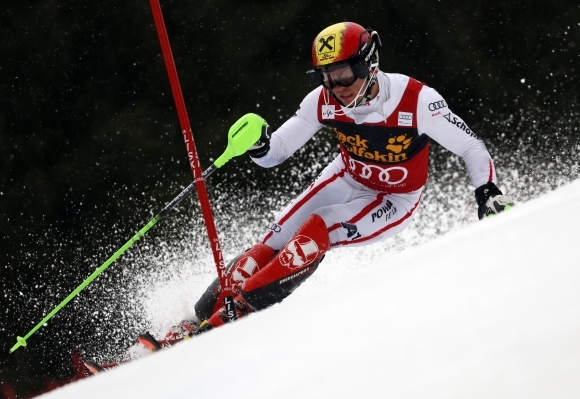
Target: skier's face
<point>346,95</point>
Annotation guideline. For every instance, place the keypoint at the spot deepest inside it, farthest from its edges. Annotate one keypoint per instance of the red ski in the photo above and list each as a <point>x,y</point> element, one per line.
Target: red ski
<point>97,368</point>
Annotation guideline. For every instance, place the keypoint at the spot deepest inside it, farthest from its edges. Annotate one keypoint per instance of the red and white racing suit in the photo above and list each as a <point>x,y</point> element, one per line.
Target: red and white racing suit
<point>368,193</point>
<point>372,189</point>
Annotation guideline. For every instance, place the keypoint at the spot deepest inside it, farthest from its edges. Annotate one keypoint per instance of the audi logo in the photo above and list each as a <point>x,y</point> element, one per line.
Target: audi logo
<point>437,105</point>
<point>383,175</point>
<point>406,117</point>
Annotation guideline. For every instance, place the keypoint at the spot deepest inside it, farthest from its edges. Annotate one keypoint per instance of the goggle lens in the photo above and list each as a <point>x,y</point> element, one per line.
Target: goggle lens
<point>338,75</point>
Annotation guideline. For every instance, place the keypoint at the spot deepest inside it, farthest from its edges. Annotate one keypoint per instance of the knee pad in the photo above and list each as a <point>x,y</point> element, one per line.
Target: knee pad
<point>290,267</point>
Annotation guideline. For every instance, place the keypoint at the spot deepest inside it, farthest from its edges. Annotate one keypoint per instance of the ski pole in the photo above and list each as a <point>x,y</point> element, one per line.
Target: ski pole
<point>241,136</point>
<point>193,160</point>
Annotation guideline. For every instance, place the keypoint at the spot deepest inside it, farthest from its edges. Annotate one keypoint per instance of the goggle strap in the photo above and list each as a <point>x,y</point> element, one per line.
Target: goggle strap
<point>359,70</point>
<point>315,77</point>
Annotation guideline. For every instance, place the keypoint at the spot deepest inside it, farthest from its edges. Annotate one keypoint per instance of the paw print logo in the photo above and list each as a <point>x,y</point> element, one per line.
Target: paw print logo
<point>399,143</point>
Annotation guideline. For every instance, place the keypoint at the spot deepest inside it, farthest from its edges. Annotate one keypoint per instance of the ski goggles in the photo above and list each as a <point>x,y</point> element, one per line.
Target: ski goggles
<point>343,74</point>
<point>338,75</point>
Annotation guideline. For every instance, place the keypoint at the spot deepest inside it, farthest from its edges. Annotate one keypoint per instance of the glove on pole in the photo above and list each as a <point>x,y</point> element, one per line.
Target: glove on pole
<point>262,146</point>
<point>491,201</point>
<point>193,159</point>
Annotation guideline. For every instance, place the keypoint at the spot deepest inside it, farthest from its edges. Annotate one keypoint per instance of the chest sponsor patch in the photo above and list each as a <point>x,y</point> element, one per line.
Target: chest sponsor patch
<point>405,118</point>
<point>327,112</point>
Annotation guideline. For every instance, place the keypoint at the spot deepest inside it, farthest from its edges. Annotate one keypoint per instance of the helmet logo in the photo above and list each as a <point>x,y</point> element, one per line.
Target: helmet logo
<point>326,42</point>
<point>326,48</point>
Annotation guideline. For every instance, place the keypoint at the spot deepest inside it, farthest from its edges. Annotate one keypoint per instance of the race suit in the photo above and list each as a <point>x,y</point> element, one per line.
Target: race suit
<point>372,189</point>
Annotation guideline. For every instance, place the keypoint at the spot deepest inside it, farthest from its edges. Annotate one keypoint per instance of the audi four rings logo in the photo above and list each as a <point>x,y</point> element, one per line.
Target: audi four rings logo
<point>405,118</point>
<point>383,174</point>
<point>437,105</point>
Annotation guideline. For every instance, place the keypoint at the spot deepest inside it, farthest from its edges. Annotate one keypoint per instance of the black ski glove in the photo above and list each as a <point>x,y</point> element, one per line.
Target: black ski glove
<point>262,146</point>
<point>491,200</point>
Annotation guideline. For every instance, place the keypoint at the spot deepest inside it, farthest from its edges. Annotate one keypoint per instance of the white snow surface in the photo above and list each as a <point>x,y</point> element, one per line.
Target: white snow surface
<point>489,311</point>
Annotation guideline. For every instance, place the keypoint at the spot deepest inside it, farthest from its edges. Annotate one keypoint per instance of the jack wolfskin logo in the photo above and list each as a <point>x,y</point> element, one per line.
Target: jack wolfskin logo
<point>359,146</point>
<point>399,143</point>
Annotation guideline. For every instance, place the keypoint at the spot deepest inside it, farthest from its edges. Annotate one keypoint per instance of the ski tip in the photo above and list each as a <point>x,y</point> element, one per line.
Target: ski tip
<point>148,341</point>
<point>97,368</point>
<point>204,327</point>
<point>94,367</point>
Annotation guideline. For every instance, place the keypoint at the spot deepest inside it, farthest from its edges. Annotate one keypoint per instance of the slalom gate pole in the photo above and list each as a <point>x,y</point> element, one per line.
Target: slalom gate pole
<point>241,136</point>
<point>193,159</point>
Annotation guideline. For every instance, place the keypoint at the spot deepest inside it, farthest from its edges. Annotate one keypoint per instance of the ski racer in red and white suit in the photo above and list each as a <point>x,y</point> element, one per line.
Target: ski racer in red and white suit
<point>373,187</point>
<point>371,190</point>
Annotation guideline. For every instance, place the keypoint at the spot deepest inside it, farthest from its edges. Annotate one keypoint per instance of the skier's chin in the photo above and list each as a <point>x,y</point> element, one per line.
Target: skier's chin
<point>347,99</point>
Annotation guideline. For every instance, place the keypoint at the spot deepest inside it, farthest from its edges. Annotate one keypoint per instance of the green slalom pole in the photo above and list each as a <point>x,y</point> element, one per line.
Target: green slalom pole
<point>241,136</point>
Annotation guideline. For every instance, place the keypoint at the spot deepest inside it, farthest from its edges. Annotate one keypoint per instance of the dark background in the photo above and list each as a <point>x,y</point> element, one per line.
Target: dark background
<point>90,145</point>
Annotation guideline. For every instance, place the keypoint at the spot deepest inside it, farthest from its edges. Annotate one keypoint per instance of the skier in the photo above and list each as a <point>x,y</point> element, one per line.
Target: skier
<point>384,123</point>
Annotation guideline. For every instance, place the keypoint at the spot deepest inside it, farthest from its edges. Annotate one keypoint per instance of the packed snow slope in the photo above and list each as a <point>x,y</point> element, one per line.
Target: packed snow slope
<point>490,311</point>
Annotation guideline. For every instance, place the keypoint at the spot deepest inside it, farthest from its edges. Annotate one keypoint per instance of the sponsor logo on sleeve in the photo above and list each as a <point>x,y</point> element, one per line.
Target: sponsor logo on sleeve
<point>405,118</point>
<point>454,120</point>
<point>275,228</point>
<point>434,106</point>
